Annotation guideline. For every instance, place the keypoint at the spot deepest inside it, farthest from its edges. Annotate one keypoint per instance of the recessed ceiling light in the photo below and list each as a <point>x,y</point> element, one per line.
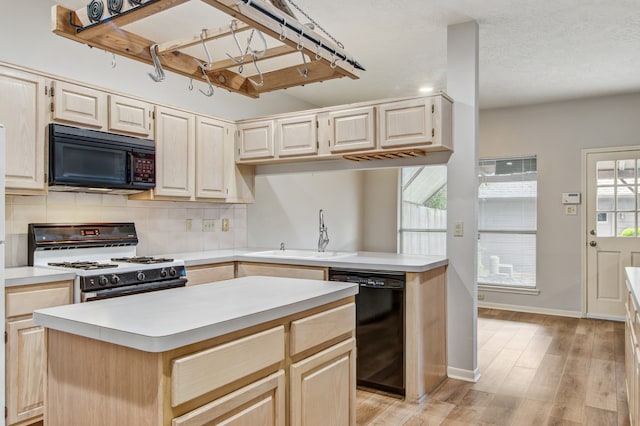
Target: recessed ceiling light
<point>426,89</point>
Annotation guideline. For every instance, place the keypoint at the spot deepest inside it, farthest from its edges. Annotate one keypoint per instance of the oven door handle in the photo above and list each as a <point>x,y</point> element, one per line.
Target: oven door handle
<point>133,289</point>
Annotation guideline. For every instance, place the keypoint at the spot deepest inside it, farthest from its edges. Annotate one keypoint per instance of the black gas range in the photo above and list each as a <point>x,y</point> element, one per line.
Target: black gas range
<point>103,257</point>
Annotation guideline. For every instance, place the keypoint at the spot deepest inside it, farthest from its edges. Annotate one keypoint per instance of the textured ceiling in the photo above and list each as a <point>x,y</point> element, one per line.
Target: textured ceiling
<point>530,52</point>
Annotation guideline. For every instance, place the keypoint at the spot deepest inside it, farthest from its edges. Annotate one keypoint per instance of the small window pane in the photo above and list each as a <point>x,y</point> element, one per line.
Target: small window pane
<point>626,198</point>
<point>605,172</point>
<point>626,224</point>
<point>605,227</point>
<point>605,199</point>
<point>625,171</point>
<point>507,259</point>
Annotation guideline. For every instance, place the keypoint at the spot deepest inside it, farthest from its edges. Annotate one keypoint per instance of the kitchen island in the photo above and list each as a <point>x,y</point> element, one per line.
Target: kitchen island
<point>253,350</point>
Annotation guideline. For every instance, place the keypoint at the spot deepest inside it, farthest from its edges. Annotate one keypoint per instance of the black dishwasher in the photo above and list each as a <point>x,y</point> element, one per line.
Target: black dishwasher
<point>379,327</point>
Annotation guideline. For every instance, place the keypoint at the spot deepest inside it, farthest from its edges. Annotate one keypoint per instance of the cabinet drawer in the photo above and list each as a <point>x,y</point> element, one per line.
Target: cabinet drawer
<point>209,274</point>
<point>205,371</point>
<point>27,300</point>
<point>260,403</point>
<point>316,329</point>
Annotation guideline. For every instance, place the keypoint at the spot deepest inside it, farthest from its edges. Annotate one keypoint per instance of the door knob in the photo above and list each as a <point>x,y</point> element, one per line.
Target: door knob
<point>592,232</point>
<point>593,243</point>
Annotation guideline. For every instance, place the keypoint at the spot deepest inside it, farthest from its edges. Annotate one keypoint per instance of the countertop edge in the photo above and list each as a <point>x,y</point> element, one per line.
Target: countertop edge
<point>633,278</point>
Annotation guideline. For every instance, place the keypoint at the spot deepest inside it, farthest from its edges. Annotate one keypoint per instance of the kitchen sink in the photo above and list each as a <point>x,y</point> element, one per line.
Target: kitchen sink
<point>300,254</point>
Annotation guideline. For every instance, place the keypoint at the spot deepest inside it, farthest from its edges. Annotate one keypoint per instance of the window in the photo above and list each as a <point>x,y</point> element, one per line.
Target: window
<point>423,216</point>
<point>618,203</point>
<point>507,222</point>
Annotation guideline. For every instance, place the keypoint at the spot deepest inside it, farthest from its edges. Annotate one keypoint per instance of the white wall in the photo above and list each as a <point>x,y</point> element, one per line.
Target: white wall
<point>26,39</point>
<point>556,133</point>
<point>380,210</point>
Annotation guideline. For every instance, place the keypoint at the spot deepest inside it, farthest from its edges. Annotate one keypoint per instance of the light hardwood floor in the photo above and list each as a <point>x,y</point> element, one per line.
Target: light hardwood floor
<point>536,370</point>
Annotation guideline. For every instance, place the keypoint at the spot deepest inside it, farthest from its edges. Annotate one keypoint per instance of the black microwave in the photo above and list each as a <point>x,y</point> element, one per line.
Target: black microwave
<point>86,160</point>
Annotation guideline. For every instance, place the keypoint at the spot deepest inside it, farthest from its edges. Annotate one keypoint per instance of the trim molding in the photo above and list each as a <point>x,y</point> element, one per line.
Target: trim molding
<point>465,375</point>
<point>531,309</point>
<point>606,317</point>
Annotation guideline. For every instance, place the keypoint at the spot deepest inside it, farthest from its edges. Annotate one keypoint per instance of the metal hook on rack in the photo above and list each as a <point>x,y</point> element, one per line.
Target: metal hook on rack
<point>304,73</point>
<point>208,64</point>
<point>334,60</point>
<point>209,92</point>
<point>242,53</point>
<point>113,60</point>
<point>159,76</point>
<point>190,84</point>
<point>257,53</point>
<point>300,45</point>
<point>318,47</point>
<point>283,30</point>
<point>255,64</point>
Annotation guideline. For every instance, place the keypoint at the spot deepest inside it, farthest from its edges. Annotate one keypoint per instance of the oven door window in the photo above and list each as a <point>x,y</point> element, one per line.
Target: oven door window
<point>86,164</point>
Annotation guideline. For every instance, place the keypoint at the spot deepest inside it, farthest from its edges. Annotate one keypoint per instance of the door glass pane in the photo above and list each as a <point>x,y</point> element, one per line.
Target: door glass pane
<point>605,199</point>
<point>626,198</point>
<point>605,171</point>
<point>626,224</point>
<point>605,227</point>
<point>626,172</point>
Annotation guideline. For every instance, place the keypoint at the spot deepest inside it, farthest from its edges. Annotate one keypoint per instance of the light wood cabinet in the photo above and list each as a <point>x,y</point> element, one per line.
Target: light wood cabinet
<point>26,354</point>
<point>77,104</point>
<point>22,112</point>
<point>255,139</point>
<point>296,136</point>
<point>406,123</point>
<point>248,269</point>
<point>632,358</point>
<point>211,140</point>
<point>322,387</point>
<point>129,115</point>
<point>352,130</point>
<point>175,153</point>
<point>203,274</point>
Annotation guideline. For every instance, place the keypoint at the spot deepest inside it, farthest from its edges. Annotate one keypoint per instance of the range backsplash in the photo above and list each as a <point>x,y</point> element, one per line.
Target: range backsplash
<point>162,225</point>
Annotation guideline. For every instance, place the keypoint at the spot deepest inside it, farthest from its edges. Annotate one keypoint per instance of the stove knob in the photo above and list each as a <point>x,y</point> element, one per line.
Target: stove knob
<point>103,280</point>
<point>172,272</point>
<point>163,273</point>
<point>115,279</point>
<point>140,276</point>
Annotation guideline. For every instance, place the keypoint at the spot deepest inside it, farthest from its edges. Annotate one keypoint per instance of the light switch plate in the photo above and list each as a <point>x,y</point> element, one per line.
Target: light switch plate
<point>458,229</point>
<point>208,225</point>
<point>570,209</point>
<point>225,224</point>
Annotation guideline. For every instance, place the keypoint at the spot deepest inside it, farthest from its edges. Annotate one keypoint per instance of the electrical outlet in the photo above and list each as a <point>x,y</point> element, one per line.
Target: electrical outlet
<point>225,224</point>
<point>480,296</point>
<point>208,225</point>
<point>189,225</point>
<point>458,229</point>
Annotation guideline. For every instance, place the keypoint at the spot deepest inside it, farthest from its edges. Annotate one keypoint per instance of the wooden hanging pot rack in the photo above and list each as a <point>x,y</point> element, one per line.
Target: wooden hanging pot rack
<point>324,59</point>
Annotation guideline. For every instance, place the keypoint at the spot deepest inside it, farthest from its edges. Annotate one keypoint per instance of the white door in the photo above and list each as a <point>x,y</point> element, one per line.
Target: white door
<point>613,222</point>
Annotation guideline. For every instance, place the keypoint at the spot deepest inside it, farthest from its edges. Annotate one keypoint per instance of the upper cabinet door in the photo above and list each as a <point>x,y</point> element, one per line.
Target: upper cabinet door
<point>175,157</point>
<point>255,139</point>
<point>22,112</point>
<point>129,116</point>
<point>79,105</point>
<point>406,123</point>
<point>210,158</point>
<point>352,129</point>
<point>297,136</point>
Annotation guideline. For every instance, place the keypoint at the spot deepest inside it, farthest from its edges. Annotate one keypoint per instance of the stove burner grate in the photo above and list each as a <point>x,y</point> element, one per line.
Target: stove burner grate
<point>142,259</point>
<point>84,265</point>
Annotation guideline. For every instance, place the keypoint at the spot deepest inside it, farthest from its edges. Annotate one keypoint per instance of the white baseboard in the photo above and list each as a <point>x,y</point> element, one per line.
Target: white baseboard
<point>606,317</point>
<point>466,375</point>
<point>530,309</point>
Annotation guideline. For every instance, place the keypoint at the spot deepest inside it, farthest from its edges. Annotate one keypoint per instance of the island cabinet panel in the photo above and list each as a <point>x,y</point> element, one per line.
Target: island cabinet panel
<point>247,269</point>
<point>192,375</point>
<point>23,114</point>
<point>632,358</point>
<point>425,332</point>
<point>260,403</point>
<point>25,350</point>
<point>80,105</point>
<point>323,387</point>
<point>203,274</point>
<point>316,329</point>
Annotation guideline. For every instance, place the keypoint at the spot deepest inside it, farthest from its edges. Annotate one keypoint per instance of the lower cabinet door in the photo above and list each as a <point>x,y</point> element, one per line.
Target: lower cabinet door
<point>260,403</point>
<point>323,387</point>
<point>26,359</point>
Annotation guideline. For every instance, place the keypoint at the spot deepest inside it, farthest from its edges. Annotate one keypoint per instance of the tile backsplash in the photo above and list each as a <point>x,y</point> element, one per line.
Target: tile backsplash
<point>163,226</point>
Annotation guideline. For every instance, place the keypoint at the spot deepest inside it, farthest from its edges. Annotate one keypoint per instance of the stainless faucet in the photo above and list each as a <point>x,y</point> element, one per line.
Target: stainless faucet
<point>324,236</point>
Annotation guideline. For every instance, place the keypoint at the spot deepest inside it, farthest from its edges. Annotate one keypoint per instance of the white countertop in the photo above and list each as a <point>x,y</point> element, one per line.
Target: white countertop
<point>633,277</point>
<point>355,260</point>
<point>164,320</point>
<point>25,275</point>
